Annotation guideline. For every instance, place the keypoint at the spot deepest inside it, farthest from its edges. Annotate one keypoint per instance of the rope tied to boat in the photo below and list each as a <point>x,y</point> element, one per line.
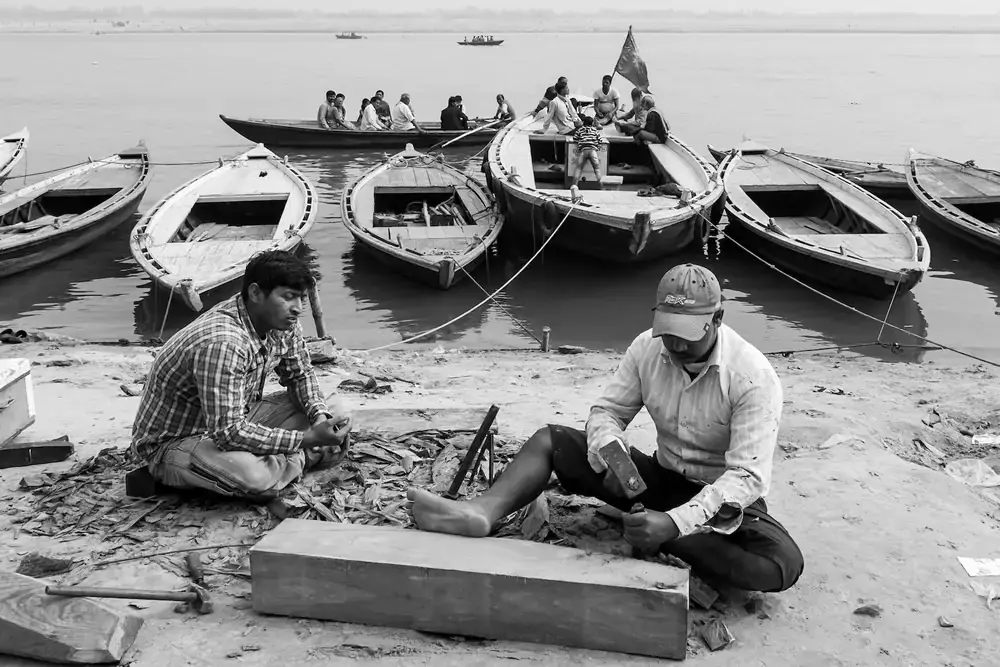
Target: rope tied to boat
<point>484,301</point>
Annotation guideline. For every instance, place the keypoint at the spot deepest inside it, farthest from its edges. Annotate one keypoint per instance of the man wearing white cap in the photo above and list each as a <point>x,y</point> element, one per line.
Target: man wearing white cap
<point>716,403</point>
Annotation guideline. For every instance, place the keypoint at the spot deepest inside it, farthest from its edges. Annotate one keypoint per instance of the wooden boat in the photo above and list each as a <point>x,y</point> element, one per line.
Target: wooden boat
<point>349,35</point>
<point>877,178</point>
<point>819,226</point>
<point>305,134</point>
<point>200,237</point>
<point>65,212</point>
<point>481,42</point>
<point>12,148</point>
<point>961,199</point>
<point>422,217</point>
<point>530,176</point>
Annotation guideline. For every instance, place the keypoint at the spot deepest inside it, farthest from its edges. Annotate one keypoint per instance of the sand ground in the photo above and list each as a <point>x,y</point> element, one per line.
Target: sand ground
<point>877,518</point>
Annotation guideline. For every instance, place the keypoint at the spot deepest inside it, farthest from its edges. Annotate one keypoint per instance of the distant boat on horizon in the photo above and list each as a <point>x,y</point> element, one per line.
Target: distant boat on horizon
<point>349,35</point>
<point>480,42</point>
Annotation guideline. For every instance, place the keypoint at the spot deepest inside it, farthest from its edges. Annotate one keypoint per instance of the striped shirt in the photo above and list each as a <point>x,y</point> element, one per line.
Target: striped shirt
<point>588,137</point>
<point>205,378</point>
<point>719,429</point>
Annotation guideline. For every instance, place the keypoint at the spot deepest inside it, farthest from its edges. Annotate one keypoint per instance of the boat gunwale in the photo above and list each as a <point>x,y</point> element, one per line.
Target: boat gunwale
<point>753,224</point>
<point>367,237</point>
<point>142,249</point>
<point>273,123</point>
<point>660,218</point>
<point>943,207</point>
<point>21,139</point>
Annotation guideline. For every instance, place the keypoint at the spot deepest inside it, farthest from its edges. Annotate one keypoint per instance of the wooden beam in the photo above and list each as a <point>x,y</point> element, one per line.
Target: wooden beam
<point>16,454</point>
<point>58,629</point>
<point>495,588</point>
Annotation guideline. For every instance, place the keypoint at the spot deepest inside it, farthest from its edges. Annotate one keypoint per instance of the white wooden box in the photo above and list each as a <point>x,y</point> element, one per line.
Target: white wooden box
<point>572,151</point>
<point>17,402</point>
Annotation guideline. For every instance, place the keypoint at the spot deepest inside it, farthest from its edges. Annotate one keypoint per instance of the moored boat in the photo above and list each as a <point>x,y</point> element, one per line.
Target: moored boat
<point>12,148</point>
<point>481,42</point>
<point>879,179</point>
<point>349,35</point>
<point>305,134</point>
<point>70,209</point>
<point>200,237</point>
<point>621,215</point>
<point>819,226</point>
<point>422,217</point>
<point>960,198</point>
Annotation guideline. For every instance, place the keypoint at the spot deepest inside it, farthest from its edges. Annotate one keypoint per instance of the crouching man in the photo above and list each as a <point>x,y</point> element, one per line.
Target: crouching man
<point>716,403</point>
<point>203,421</point>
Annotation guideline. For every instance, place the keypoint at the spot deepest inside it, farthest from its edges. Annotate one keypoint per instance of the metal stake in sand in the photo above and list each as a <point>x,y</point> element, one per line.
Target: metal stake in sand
<point>546,335</point>
<point>317,311</point>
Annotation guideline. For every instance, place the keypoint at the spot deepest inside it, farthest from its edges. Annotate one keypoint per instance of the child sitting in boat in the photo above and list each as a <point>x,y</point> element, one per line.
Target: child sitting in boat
<point>588,140</point>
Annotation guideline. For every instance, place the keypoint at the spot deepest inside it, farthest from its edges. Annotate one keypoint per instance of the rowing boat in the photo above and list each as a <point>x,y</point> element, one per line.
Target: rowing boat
<point>422,217</point>
<point>70,209</point>
<point>877,178</point>
<point>629,212</point>
<point>960,198</point>
<point>481,42</point>
<point>199,238</point>
<point>12,148</point>
<point>305,134</point>
<point>818,225</point>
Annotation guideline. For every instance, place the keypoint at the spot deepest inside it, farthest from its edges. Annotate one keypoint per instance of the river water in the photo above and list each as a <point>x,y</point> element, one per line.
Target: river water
<point>852,96</point>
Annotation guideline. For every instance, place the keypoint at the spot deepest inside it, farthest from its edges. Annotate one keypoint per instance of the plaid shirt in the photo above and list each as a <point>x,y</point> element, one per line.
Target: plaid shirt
<point>205,378</point>
<point>719,429</point>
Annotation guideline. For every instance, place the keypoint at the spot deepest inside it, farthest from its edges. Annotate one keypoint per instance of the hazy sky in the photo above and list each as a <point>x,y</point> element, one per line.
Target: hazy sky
<point>797,6</point>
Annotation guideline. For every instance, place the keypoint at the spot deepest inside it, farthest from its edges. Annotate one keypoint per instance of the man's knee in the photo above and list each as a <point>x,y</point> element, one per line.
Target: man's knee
<point>540,441</point>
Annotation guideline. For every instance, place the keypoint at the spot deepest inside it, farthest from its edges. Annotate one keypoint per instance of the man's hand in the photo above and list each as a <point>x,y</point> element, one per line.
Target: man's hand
<point>649,530</point>
<point>328,432</point>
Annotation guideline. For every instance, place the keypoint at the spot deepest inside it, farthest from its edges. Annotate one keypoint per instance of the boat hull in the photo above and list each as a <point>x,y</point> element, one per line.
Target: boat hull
<point>812,270</point>
<point>31,255</point>
<point>272,134</point>
<point>430,276</point>
<point>527,220</point>
<point>950,227</point>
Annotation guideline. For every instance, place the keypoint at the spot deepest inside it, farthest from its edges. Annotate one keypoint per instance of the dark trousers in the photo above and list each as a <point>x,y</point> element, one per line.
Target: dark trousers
<point>734,559</point>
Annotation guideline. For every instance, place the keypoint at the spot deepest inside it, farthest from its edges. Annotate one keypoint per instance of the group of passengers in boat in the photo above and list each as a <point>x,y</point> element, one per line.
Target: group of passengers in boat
<point>477,39</point>
<point>376,115</point>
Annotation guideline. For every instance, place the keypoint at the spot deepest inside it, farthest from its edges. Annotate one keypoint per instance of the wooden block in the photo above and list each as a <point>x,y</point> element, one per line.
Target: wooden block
<point>489,587</point>
<point>60,629</point>
<point>17,454</point>
<point>716,635</point>
<point>393,422</point>
<point>17,401</point>
<point>701,593</point>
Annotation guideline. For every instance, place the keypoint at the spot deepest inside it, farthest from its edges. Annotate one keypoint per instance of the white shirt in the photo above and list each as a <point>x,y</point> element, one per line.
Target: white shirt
<point>559,114</point>
<point>402,117</point>
<point>369,119</point>
<point>606,103</point>
<point>719,429</point>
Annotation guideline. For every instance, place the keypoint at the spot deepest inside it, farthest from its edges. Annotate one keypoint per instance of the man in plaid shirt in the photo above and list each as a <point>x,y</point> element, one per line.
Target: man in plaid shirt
<point>203,421</point>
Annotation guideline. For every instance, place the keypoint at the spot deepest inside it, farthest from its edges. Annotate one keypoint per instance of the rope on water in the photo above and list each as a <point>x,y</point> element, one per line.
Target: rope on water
<point>484,301</point>
<point>849,307</point>
<point>500,305</point>
<point>166,312</point>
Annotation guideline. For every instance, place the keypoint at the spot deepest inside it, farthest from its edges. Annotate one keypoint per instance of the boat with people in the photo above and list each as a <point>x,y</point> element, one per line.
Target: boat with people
<point>70,209</point>
<point>12,149</point>
<point>818,225</point>
<point>960,198</point>
<point>199,237</point>
<point>349,35</point>
<point>628,212</point>
<point>422,217</point>
<point>481,40</point>
<point>305,134</point>
<point>880,179</point>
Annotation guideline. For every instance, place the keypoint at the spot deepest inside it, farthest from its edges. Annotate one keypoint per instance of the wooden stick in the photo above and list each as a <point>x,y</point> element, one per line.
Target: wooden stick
<point>317,311</point>
<point>462,136</point>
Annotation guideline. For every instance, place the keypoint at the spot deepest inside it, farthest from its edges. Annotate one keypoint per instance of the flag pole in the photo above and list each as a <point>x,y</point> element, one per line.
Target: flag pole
<point>614,70</point>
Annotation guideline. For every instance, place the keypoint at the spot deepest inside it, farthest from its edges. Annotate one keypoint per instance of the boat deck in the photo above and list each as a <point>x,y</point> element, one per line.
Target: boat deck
<point>109,177</point>
<point>624,203</point>
<point>951,183</point>
<point>202,259</point>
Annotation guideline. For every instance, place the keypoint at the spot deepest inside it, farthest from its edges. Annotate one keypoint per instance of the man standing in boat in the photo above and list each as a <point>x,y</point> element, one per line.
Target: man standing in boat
<point>716,403</point>
<point>325,116</point>
<point>402,116</point>
<point>203,421</point>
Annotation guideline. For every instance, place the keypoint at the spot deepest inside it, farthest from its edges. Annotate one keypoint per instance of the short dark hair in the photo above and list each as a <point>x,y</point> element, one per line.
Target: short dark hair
<point>277,268</point>
<point>330,92</point>
<point>342,95</point>
<point>606,77</point>
<point>365,102</point>
<point>452,100</point>
<point>587,120</point>
<point>380,92</point>
<point>458,98</point>
<point>562,79</point>
<point>550,93</point>
<point>562,85</point>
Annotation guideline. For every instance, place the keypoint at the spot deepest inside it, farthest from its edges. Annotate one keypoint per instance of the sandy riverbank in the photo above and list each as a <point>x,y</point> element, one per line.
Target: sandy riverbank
<point>878,520</point>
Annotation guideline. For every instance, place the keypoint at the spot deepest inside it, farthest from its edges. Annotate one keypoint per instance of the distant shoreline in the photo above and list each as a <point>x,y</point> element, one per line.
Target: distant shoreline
<point>991,30</point>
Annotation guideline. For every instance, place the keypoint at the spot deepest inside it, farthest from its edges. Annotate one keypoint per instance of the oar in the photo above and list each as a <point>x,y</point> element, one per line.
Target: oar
<point>462,136</point>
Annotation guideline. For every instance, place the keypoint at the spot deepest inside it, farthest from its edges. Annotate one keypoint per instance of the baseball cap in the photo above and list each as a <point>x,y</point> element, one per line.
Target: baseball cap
<point>687,299</point>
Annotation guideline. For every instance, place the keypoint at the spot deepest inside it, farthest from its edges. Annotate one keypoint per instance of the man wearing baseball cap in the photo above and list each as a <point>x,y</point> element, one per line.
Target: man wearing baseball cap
<point>716,403</point>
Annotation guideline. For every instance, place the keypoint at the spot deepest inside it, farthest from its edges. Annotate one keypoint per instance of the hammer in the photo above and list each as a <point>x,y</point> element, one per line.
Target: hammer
<point>621,466</point>
<point>195,595</point>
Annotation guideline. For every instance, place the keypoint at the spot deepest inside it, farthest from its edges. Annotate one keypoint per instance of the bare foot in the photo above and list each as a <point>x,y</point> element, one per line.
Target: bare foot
<point>440,515</point>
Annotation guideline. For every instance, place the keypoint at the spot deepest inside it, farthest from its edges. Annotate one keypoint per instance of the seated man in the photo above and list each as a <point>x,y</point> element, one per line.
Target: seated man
<point>656,130</point>
<point>402,116</point>
<point>561,113</point>
<point>340,114</point>
<point>369,120</point>
<point>606,102</point>
<point>325,115</point>
<point>203,422</point>
<point>505,110</point>
<point>452,117</point>
<point>635,119</point>
<point>588,138</point>
<point>716,403</point>
<point>382,109</point>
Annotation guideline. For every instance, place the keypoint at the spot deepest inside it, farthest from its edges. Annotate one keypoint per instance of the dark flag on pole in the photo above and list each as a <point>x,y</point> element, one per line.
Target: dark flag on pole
<point>630,64</point>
